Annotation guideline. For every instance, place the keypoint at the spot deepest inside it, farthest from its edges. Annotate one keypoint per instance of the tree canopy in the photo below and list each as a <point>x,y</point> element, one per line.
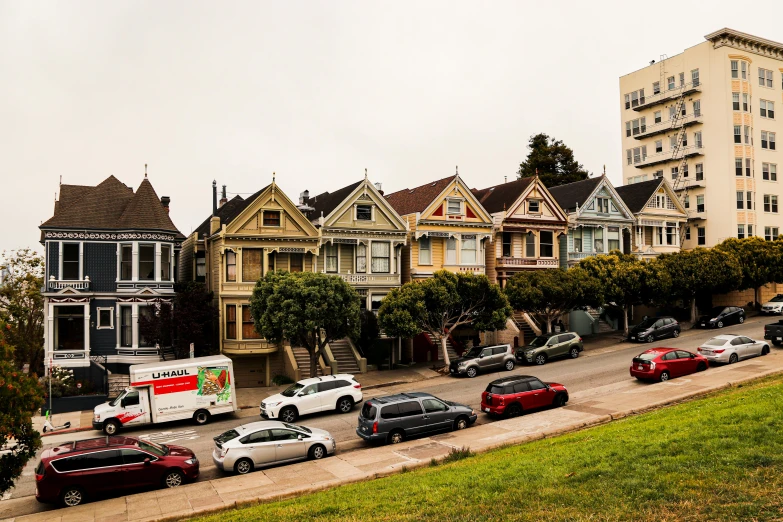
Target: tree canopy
<point>21,306</point>
<point>553,160</point>
<point>309,309</point>
<point>761,261</point>
<point>443,303</point>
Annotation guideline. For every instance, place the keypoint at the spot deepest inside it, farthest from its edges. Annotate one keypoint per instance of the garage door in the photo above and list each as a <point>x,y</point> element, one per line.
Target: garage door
<point>250,372</point>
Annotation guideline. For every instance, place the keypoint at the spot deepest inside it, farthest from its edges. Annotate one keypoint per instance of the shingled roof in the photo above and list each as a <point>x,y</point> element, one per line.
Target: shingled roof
<point>110,205</point>
<point>501,197</point>
<point>572,194</point>
<point>636,195</point>
<point>410,201</point>
<point>228,212</point>
<point>324,204</point>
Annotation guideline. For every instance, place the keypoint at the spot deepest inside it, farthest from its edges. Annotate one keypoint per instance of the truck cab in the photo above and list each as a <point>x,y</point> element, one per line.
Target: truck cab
<point>130,408</point>
<point>774,332</point>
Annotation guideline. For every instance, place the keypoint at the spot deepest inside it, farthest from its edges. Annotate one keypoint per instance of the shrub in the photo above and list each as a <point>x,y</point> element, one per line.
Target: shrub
<point>280,379</point>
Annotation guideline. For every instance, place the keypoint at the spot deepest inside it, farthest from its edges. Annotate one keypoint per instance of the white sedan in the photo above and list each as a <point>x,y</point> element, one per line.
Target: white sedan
<point>732,348</point>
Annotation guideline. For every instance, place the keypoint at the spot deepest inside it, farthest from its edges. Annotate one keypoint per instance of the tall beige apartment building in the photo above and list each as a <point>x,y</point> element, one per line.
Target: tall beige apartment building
<point>709,121</point>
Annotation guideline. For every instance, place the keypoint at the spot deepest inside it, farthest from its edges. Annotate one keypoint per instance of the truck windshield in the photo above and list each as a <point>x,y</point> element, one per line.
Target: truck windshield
<point>292,390</point>
<point>156,449</point>
<point>116,401</point>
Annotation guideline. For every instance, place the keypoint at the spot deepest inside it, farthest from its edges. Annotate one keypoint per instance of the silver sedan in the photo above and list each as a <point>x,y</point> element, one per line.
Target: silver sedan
<point>732,348</point>
<point>266,443</point>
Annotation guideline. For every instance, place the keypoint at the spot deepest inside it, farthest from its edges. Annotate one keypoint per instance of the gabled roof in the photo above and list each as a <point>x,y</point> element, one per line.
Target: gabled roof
<point>228,212</point>
<point>324,204</point>
<point>410,201</point>
<point>111,205</point>
<point>636,195</point>
<point>572,194</point>
<point>502,197</point>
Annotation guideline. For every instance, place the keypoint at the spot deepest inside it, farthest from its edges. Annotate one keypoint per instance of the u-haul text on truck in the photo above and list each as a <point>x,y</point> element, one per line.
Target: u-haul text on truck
<point>189,388</point>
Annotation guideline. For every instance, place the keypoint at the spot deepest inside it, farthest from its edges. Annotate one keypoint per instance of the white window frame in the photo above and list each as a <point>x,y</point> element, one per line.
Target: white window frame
<point>537,202</point>
<point>460,201</point>
<point>98,324</point>
<point>422,241</point>
<point>356,212</point>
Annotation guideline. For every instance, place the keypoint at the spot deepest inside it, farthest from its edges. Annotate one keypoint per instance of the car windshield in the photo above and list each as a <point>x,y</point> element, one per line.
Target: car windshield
<point>474,352</point>
<point>716,311</point>
<point>776,299</point>
<point>715,342</point>
<point>647,356</point>
<point>539,341</point>
<point>298,428</point>
<point>227,436</point>
<point>157,449</point>
<point>646,323</point>
<point>292,390</point>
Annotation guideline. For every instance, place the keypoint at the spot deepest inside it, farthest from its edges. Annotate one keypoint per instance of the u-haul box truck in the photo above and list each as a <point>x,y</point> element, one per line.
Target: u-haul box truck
<point>171,390</point>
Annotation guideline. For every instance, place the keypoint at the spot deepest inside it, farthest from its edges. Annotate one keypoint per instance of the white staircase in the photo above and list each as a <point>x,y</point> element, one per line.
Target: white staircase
<point>449,347</point>
<point>603,326</point>
<point>343,355</point>
<point>302,357</point>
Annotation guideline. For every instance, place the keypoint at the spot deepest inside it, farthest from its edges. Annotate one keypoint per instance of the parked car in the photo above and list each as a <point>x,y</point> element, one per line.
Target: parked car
<point>73,471</point>
<point>513,395</point>
<point>331,392</point>
<point>264,443</point>
<point>773,306</point>
<point>394,418</point>
<point>721,316</point>
<point>662,364</point>
<point>732,348</point>
<point>774,332</point>
<point>654,328</point>
<point>482,359</point>
<point>551,346</point>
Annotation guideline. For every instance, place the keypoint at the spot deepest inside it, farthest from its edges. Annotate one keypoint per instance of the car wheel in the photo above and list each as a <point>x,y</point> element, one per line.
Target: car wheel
<point>243,466</point>
<point>733,358</point>
<point>540,359</point>
<point>72,496</point>
<point>764,350</point>
<point>676,333</point>
<point>741,320</point>
<point>720,324</point>
<point>461,423</point>
<point>701,367</point>
<point>560,400</point>
<point>173,479</point>
<point>509,365</point>
<point>288,415</point>
<point>514,410</point>
<point>574,352</point>
<point>664,376</point>
<point>317,452</point>
<point>396,437</point>
<point>201,417</point>
<point>111,427</point>
<point>345,405</point>
<point>472,372</point>
<point>650,338</point>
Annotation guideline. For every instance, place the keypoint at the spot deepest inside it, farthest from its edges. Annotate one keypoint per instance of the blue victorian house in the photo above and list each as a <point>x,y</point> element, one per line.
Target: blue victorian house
<point>111,256</point>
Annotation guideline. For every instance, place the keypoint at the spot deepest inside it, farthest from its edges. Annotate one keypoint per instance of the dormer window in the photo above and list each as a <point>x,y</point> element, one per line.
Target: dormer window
<point>454,207</point>
<point>70,261</point>
<point>271,218</point>
<point>363,212</point>
<point>534,206</point>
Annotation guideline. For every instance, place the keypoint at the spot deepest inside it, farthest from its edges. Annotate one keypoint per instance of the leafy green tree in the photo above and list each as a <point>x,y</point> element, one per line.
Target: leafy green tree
<point>548,294</point>
<point>21,306</point>
<point>443,303</point>
<point>760,260</point>
<point>310,309</point>
<point>553,160</point>
<point>701,272</point>
<point>20,398</point>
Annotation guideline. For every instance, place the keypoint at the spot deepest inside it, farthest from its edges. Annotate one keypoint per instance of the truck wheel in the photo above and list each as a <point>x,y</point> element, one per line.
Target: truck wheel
<point>201,417</point>
<point>111,427</point>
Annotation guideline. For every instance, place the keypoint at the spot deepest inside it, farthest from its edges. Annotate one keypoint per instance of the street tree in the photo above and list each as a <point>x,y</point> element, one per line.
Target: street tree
<point>443,303</point>
<point>548,294</point>
<point>552,160</point>
<point>20,398</point>
<point>21,306</point>
<point>309,309</point>
<point>760,261</point>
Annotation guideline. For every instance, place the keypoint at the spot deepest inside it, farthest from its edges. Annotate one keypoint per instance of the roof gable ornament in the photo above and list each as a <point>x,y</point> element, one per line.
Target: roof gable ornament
<point>273,186</point>
<point>145,171</point>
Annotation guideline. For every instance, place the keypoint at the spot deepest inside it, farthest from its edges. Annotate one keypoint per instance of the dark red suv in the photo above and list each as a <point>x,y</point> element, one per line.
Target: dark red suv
<point>512,395</point>
<point>75,470</point>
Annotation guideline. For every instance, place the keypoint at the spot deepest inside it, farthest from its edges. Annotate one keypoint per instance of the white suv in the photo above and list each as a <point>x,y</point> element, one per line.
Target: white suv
<point>330,392</point>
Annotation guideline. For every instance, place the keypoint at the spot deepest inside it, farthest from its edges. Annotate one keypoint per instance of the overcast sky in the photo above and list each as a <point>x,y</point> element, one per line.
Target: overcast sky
<point>316,91</point>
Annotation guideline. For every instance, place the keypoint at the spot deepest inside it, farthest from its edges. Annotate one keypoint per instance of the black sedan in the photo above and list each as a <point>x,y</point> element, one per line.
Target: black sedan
<point>721,316</point>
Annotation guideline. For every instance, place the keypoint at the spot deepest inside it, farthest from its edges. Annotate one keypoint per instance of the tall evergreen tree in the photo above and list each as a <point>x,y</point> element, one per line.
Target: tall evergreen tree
<point>553,160</point>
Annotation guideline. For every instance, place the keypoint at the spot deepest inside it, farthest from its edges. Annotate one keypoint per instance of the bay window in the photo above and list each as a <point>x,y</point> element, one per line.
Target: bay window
<point>147,262</point>
<point>361,259</point>
<point>165,263</point>
<point>70,261</point>
<point>530,245</point>
<point>126,262</point>
<point>451,251</point>
<point>425,251</point>
<point>231,321</point>
<point>546,243</point>
<point>599,239</point>
<point>251,265</point>
<point>613,237</point>
<point>126,326</point>
<point>468,252</point>
<point>231,266</point>
<point>381,253</point>
<point>248,325</point>
<point>330,251</point>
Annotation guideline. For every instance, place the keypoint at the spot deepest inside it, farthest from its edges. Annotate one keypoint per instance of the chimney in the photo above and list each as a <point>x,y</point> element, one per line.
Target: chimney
<point>304,197</point>
<point>223,199</point>
<point>165,200</point>
<point>214,224</point>
<point>214,197</point>
<point>378,187</point>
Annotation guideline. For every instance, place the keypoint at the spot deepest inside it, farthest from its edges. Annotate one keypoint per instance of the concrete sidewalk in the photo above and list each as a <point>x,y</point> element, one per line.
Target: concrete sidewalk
<point>588,408</point>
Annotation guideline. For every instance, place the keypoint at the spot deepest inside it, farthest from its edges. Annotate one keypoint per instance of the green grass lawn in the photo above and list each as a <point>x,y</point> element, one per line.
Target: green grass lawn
<point>716,458</point>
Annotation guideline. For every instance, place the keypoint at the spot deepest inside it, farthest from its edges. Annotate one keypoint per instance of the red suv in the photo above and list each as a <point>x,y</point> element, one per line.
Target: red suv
<point>661,364</point>
<point>512,395</point>
<point>72,471</point>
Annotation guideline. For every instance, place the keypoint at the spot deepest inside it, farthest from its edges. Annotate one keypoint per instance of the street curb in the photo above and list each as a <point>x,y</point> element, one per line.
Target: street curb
<point>392,383</point>
<point>71,430</point>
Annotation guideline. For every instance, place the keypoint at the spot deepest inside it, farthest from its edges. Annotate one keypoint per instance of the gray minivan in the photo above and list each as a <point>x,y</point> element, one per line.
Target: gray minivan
<point>394,418</point>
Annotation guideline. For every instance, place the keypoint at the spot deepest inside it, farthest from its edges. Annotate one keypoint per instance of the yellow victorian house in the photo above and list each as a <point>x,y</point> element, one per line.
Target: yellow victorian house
<point>242,241</point>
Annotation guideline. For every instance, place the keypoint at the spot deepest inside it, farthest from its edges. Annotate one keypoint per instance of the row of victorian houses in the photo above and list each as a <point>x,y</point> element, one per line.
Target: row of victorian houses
<point>113,254</point>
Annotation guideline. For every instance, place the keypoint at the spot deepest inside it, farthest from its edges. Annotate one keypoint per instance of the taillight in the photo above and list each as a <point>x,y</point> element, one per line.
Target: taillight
<point>719,351</point>
<point>359,386</point>
<point>375,427</point>
<point>652,365</point>
<point>580,339</point>
<point>501,400</point>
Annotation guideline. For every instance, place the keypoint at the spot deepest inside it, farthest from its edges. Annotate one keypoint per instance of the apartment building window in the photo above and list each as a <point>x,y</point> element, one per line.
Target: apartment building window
<point>506,244</point>
<point>771,141</point>
<point>682,79</point>
<point>627,128</point>
<point>634,99</point>
<point>296,262</point>
<point>147,262</point>
<point>771,233</point>
<point>658,145</point>
<point>627,101</point>
<point>767,109</point>
<point>248,325</point>
<point>735,101</point>
<point>672,141</point>
<point>738,166</point>
<point>770,203</point>
<point>765,77</point>
<point>675,173</point>
<point>70,261</point>
<point>735,69</point>
<point>271,218</point>
<point>126,262</point>
<point>658,174</point>
<point>700,203</point>
<point>687,201</point>
<point>740,231</point>
<point>701,236</point>
<point>468,252</point>
<point>629,154</point>
<point>530,245</point>
<point>657,116</point>
<point>695,77</point>
<point>769,171</point>
<point>251,264</point>
<point>767,140</point>
<point>672,112</point>
<point>451,251</point>
<point>740,200</point>
<point>684,138</point>
<point>656,88</point>
<point>738,134</point>
<point>361,255</point>
<point>330,253</point>
<point>381,253</point>
<point>577,237</point>
<point>748,141</point>
<point>363,212</point>
<point>687,233</point>
<point>165,262</point>
<point>546,243</point>
<point>685,171</point>
<point>231,266</point>
<point>699,172</point>
<point>749,198</point>
<point>598,240</point>
<point>697,139</point>
<point>425,250</point>
<point>670,83</point>
<point>748,171</point>
<point>744,68</point>
<point>697,108</point>
<point>750,230</point>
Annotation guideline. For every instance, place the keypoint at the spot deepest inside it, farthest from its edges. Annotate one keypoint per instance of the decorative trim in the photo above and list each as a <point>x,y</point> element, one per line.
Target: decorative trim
<point>740,57</point>
<point>344,240</point>
<point>123,236</point>
<point>69,299</point>
<point>142,300</point>
<point>746,42</point>
<point>292,250</point>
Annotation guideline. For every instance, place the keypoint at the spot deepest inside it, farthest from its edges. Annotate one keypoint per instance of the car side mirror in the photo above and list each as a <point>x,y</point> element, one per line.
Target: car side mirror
<point>481,355</point>
<point>300,394</point>
<point>693,356</point>
<point>122,403</point>
<point>299,437</point>
<point>147,461</point>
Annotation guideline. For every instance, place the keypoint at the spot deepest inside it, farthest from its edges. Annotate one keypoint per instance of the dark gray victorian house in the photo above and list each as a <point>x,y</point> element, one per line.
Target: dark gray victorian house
<point>111,256</point>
